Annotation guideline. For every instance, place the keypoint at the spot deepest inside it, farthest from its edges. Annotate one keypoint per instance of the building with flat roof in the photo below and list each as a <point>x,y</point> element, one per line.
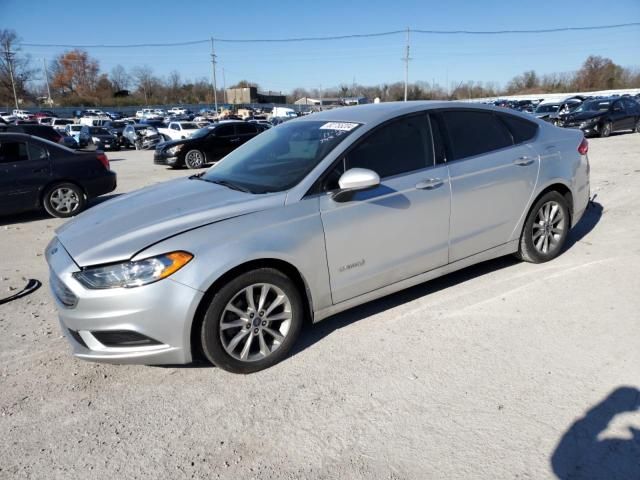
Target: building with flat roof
<point>247,95</point>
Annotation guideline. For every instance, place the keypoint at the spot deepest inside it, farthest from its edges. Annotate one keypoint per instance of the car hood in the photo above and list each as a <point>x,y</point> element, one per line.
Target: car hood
<point>122,227</point>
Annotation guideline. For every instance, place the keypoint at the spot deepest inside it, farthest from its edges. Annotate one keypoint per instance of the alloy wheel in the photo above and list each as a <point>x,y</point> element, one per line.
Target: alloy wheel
<point>194,159</point>
<point>548,227</point>
<point>64,200</point>
<point>255,322</point>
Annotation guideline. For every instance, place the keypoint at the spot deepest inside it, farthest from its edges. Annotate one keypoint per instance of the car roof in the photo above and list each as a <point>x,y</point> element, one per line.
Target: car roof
<point>380,112</point>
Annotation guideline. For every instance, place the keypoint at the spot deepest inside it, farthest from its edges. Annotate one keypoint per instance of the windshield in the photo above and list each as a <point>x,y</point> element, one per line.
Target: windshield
<point>547,108</point>
<point>594,106</point>
<point>281,157</point>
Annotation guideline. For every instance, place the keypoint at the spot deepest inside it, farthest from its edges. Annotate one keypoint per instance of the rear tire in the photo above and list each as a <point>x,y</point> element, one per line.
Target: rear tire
<point>244,336</point>
<point>546,229</point>
<point>64,200</point>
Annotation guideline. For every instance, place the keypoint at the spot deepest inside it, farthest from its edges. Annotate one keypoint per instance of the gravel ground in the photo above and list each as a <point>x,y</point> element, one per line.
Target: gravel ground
<point>476,375</point>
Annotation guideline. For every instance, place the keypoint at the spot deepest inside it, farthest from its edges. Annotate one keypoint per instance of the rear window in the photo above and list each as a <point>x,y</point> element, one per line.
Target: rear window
<point>474,133</point>
<point>522,130</point>
<point>13,151</point>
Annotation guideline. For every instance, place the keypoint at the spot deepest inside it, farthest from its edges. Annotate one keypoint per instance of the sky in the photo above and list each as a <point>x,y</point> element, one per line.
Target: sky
<point>443,59</point>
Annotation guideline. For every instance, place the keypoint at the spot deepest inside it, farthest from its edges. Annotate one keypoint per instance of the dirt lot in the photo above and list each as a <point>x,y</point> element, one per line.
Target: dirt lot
<point>477,375</point>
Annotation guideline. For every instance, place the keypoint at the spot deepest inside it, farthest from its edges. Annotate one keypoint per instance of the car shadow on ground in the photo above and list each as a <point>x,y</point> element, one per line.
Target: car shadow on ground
<point>37,215</point>
<point>587,223</point>
<point>584,453</point>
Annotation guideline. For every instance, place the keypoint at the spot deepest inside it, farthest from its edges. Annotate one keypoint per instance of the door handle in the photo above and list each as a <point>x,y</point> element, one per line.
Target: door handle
<point>523,161</point>
<point>429,184</point>
<point>234,140</point>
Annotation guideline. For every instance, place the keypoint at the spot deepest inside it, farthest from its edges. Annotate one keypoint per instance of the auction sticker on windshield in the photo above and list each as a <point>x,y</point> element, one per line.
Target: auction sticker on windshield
<point>339,126</point>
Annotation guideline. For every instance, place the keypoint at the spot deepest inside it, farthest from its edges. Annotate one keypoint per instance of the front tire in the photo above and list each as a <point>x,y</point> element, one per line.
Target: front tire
<point>546,229</point>
<point>606,130</point>
<point>252,322</point>
<point>194,159</point>
<point>64,200</point>
<point>637,127</point>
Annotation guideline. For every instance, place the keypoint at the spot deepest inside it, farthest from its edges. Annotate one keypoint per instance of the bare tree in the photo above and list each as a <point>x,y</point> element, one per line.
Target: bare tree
<point>120,79</point>
<point>144,78</point>
<point>11,56</point>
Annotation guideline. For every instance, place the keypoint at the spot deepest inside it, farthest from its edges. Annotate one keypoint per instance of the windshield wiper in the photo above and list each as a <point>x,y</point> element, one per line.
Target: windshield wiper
<point>225,183</point>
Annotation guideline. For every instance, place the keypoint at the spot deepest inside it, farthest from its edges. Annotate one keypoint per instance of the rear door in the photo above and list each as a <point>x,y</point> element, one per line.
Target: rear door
<point>24,170</point>
<point>246,131</point>
<point>492,176</point>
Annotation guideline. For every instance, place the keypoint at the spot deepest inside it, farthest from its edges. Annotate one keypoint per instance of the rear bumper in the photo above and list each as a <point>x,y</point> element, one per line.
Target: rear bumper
<point>105,183</point>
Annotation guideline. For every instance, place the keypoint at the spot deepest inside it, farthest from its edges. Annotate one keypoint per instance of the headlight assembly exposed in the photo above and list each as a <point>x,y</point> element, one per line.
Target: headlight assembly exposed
<point>174,150</point>
<point>133,274</point>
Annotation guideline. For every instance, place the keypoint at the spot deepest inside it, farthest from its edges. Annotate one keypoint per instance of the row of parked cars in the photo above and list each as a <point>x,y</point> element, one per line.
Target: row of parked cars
<point>595,116</point>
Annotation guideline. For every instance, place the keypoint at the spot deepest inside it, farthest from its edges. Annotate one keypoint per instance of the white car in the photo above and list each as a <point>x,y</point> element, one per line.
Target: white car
<point>22,114</point>
<point>7,117</point>
<point>178,130</point>
<point>177,111</point>
<point>60,123</point>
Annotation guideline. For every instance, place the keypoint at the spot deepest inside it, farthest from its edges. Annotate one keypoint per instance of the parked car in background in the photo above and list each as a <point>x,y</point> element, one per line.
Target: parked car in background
<point>140,136</point>
<point>22,114</point>
<point>42,131</point>
<point>101,138</point>
<point>60,123</point>
<point>543,110</point>
<point>44,120</point>
<point>75,130</point>
<point>45,113</point>
<point>207,145</point>
<point>177,111</point>
<point>311,218</point>
<point>36,173</point>
<point>604,116</point>
<point>178,130</point>
<point>116,127</point>
<point>8,117</point>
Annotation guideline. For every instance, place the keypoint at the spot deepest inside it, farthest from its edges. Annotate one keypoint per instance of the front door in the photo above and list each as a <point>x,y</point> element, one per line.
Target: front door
<point>397,230</point>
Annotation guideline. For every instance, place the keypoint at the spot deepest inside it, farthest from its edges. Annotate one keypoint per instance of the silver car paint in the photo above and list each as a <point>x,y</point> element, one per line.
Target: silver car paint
<point>347,253</point>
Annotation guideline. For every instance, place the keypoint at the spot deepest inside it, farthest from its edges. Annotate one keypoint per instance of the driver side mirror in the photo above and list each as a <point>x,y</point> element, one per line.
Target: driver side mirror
<point>355,180</point>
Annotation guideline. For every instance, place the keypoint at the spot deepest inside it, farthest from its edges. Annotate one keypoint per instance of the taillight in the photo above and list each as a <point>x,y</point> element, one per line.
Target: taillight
<point>583,148</point>
<point>102,158</point>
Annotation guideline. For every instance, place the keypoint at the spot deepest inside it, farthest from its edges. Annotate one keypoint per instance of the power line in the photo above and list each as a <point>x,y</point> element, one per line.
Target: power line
<point>342,37</point>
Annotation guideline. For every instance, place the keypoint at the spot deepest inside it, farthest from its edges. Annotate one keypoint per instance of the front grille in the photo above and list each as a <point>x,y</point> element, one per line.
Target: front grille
<point>123,338</point>
<point>62,292</point>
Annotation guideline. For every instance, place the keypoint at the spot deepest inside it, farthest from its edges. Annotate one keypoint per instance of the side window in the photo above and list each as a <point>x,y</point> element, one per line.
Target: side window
<point>224,131</point>
<point>174,127</point>
<point>245,128</point>
<point>399,147</point>
<point>617,106</point>
<point>13,151</point>
<point>474,133</point>
<point>37,152</point>
<point>521,130</point>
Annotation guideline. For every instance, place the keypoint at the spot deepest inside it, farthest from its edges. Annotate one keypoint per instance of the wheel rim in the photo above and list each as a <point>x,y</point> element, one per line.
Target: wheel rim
<point>607,130</point>
<point>255,322</point>
<point>194,159</point>
<point>64,200</point>
<point>549,227</point>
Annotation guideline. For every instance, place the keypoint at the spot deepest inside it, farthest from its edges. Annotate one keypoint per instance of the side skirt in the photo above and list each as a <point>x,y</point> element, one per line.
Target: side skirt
<point>499,251</point>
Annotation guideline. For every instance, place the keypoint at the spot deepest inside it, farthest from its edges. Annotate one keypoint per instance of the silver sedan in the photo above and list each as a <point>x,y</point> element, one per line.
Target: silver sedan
<point>310,218</point>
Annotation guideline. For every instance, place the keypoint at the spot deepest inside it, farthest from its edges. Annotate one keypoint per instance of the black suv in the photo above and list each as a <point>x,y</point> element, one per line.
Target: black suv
<point>207,145</point>
<point>604,116</point>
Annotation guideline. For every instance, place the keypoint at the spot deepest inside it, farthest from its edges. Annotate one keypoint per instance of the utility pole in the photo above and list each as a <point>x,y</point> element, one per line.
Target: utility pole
<point>46,77</point>
<point>9,56</point>
<point>224,85</point>
<point>406,67</point>
<point>213,66</point>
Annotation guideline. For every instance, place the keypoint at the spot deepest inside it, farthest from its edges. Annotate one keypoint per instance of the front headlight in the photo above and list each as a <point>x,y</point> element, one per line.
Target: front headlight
<point>133,274</point>
<point>174,150</point>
